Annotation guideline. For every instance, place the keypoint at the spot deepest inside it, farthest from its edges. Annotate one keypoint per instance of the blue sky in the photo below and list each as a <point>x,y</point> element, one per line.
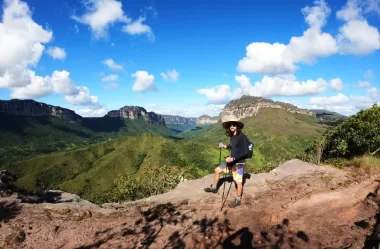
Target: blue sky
<point>190,57</point>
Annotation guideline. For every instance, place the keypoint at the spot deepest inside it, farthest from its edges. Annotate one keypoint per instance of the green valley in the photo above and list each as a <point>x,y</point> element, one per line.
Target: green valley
<point>91,171</point>
<point>118,157</point>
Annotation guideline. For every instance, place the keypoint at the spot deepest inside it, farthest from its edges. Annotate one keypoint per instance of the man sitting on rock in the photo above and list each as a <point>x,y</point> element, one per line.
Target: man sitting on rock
<point>236,161</point>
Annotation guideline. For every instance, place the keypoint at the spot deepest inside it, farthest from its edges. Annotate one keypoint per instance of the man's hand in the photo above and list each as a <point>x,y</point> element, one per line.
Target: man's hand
<point>221,145</point>
<point>229,159</point>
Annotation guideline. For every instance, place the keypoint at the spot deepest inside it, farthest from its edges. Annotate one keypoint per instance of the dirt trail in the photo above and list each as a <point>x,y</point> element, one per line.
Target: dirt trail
<point>297,205</point>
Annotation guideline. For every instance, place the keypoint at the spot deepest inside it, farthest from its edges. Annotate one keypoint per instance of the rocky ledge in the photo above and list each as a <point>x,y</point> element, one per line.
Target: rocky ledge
<point>205,119</point>
<point>297,205</point>
<point>248,106</point>
<point>137,112</point>
<point>175,119</point>
<point>33,108</point>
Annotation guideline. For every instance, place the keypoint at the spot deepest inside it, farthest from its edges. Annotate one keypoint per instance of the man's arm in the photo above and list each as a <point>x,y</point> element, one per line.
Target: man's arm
<point>226,146</point>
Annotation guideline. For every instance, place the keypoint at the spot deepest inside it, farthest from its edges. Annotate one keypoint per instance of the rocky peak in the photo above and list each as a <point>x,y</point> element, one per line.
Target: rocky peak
<point>175,119</point>
<point>137,112</point>
<point>248,106</point>
<point>31,107</point>
<point>206,119</point>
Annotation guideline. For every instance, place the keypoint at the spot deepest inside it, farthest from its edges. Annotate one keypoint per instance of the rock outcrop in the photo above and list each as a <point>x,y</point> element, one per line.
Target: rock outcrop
<point>248,106</point>
<point>175,119</point>
<point>328,115</point>
<point>297,205</point>
<point>31,107</point>
<point>205,119</point>
<point>137,112</point>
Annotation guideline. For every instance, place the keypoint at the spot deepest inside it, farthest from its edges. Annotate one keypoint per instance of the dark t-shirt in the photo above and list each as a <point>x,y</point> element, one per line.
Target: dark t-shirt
<point>238,146</point>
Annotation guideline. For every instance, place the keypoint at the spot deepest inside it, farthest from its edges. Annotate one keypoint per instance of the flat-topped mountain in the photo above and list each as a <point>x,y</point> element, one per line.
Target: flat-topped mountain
<point>29,128</point>
<point>179,120</point>
<point>137,112</point>
<point>329,117</point>
<point>206,119</point>
<point>31,107</point>
<point>248,106</point>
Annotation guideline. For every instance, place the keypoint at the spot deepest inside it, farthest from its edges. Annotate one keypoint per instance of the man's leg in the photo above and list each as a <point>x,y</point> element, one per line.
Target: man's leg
<point>221,168</point>
<point>239,189</point>
<point>238,178</point>
<point>217,172</point>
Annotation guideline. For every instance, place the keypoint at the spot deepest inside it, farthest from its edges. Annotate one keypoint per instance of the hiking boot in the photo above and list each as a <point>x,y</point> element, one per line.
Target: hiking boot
<point>211,189</point>
<point>235,203</point>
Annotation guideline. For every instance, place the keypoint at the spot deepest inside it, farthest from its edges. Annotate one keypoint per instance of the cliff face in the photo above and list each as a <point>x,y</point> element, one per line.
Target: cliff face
<point>205,119</point>
<point>136,112</point>
<point>34,108</point>
<point>175,119</point>
<point>248,106</point>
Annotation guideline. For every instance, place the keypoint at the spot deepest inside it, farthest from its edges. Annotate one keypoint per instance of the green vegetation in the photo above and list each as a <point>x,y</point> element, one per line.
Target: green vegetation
<point>26,136</point>
<point>355,144</point>
<point>197,130</point>
<point>329,118</point>
<point>91,172</point>
<point>111,159</point>
<point>358,135</point>
<point>153,180</point>
<point>179,127</point>
<point>278,136</point>
<point>136,166</point>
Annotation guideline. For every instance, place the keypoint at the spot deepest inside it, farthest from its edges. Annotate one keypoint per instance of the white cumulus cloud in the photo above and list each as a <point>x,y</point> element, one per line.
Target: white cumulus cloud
<point>83,97</point>
<point>111,77</point>
<point>101,14</point>
<point>337,84</point>
<point>280,86</point>
<point>38,87</point>
<point>21,44</point>
<point>267,87</point>
<point>110,85</point>
<point>171,75</point>
<point>345,104</point>
<point>220,94</point>
<point>362,102</point>
<point>372,6</point>
<point>56,53</point>
<point>333,100</point>
<point>373,92</point>
<point>63,84</point>
<point>21,47</point>
<point>364,84</point>
<point>91,112</point>
<point>110,63</point>
<point>187,110</point>
<point>138,28</point>
<point>356,36</point>
<point>277,58</point>
<point>144,82</point>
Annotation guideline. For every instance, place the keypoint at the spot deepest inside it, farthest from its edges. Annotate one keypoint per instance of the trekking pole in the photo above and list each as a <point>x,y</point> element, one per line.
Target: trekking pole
<point>223,202</point>
<point>220,155</point>
<point>220,162</point>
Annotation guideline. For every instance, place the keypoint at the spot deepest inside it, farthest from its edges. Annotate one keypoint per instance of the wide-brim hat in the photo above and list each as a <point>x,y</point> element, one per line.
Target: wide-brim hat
<point>226,122</point>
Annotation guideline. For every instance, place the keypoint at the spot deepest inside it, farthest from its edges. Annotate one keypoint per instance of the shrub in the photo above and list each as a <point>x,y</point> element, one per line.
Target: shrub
<point>356,136</point>
<point>152,180</point>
